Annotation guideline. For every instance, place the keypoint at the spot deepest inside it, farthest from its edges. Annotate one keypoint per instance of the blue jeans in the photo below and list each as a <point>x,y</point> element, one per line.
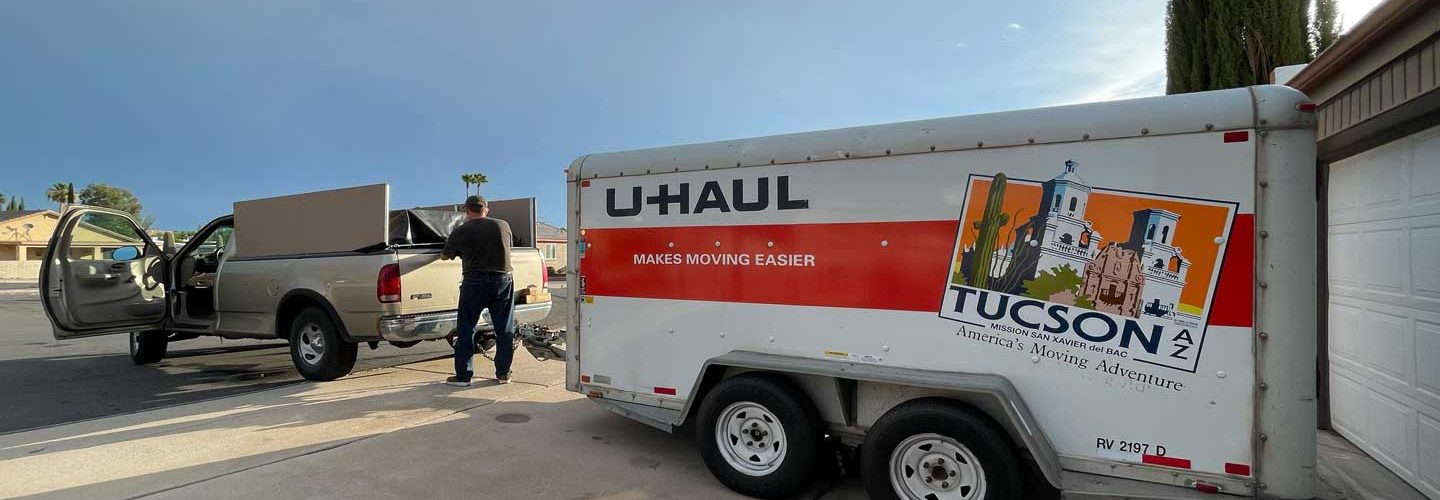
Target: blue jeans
<point>495,292</point>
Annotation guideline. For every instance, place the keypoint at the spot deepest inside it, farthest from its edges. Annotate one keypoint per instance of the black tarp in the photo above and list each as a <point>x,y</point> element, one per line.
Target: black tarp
<point>420,227</point>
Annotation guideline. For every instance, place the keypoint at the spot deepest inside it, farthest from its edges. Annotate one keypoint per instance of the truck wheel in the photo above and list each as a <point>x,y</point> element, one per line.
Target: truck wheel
<point>934,450</point>
<point>759,436</point>
<point>148,347</point>
<point>317,349</point>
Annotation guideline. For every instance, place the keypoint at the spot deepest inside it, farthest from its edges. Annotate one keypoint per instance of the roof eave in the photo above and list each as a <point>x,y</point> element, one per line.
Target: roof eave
<point>1372,28</point>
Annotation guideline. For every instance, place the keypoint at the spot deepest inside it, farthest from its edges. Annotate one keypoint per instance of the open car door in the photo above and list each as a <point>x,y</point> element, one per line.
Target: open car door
<point>102,274</point>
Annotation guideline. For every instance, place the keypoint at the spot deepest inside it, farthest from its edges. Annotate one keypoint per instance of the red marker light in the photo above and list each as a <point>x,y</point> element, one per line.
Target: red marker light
<point>1237,136</point>
<point>1305,107</point>
<point>1237,469</point>
<point>1206,487</point>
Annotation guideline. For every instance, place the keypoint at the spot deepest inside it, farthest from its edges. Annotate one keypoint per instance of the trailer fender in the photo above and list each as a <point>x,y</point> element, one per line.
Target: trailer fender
<point>997,389</point>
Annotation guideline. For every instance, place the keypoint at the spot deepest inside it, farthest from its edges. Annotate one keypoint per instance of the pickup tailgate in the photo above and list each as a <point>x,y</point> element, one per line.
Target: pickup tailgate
<point>529,269</point>
<point>429,284</point>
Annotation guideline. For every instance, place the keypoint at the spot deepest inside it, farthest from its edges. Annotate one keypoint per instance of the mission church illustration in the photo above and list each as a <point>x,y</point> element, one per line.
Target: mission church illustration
<point>1144,274</point>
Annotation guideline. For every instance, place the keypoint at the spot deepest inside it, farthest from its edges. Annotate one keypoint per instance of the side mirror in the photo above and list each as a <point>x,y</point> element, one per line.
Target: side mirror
<point>167,243</point>
<point>125,253</point>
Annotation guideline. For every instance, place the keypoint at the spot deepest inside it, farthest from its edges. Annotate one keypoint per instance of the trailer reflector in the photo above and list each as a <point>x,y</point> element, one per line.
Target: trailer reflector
<point>585,378</point>
<point>1237,469</point>
<point>1179,463</point>
<point>1206,487</point>
<point>1237,136</point>
<point>668,391</point>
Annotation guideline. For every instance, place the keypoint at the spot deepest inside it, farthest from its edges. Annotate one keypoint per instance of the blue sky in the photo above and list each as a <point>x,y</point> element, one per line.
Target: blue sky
<point>196,104</point>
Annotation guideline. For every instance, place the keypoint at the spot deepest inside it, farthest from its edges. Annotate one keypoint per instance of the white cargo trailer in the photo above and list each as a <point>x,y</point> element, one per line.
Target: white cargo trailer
<point>1121,295</point>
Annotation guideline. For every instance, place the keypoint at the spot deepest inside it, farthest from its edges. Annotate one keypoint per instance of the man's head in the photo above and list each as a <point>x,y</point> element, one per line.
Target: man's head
<point>476,207</point>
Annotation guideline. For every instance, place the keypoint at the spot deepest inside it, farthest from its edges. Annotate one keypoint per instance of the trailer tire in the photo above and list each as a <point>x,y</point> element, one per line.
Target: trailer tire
<point>318,350</point>
<point>148,347</point>
<point>776,454</point>
<point>938,450</point>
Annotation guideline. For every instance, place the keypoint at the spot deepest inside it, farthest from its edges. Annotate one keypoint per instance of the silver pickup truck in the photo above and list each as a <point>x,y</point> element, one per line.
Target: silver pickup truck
<point>229,281</point>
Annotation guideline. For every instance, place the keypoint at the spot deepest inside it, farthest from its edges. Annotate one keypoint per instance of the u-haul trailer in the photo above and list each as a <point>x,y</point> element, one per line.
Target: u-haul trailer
<point>1120,295</point>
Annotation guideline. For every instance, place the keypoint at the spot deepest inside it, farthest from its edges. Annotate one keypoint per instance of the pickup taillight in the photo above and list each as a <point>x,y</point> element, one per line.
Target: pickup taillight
<point>387,287</point>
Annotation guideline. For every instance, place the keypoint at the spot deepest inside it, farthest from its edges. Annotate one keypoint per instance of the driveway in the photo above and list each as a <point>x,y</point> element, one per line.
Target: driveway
<point>66,381</point>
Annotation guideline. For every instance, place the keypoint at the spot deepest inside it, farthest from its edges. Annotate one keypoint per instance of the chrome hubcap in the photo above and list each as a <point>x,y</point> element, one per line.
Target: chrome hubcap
<point>312,343</point>
<point>751,439</point>
<point>935,467</point>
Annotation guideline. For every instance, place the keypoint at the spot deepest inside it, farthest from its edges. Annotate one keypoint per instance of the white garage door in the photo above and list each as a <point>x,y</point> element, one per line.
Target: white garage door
<point>1385,305</point>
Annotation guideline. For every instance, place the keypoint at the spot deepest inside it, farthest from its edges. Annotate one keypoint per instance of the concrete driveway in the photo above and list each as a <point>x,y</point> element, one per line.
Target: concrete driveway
<point>387,433</point>
<point>70,380</point>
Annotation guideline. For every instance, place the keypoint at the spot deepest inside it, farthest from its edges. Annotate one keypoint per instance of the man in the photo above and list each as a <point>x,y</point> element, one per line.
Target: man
<point>483,245</point>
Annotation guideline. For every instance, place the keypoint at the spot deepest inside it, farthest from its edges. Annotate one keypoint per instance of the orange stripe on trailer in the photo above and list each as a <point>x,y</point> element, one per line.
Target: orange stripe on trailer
<point>901,266</point>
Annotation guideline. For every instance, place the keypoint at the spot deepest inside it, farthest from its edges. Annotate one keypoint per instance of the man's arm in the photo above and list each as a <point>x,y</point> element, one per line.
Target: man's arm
<point>451,248</point>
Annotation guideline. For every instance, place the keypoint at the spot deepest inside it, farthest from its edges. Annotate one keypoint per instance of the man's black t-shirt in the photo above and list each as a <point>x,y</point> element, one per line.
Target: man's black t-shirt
<point>483,246</point>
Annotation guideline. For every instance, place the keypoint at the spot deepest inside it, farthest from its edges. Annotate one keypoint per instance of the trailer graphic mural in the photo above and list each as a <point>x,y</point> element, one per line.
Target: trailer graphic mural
<point>1118,272</point>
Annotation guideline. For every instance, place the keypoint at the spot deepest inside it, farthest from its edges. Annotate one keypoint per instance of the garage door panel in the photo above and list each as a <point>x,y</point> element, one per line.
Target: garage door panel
<point>1392,432</point>
<point>1389,353</point>
<point>1344,247</point>
<point>1425,170</point>
<point>1345,341</point>
<point>1384,311</point>
<point>1346,412</point>
<point>1385,264</point>
<point>1429,467</point>
<point>1425,244</point>
<point>1427,358</point>
<point>1385,180</point>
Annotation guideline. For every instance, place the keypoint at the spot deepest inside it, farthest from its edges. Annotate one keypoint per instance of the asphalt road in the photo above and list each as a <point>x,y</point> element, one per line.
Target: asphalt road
<point>46,382</point>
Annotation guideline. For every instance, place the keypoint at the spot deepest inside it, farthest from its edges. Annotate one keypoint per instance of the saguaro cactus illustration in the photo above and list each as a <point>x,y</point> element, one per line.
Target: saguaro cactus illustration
<point>988,228</point>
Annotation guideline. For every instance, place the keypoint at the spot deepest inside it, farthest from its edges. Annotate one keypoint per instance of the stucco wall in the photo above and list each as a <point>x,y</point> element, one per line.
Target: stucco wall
<point>14,270</point>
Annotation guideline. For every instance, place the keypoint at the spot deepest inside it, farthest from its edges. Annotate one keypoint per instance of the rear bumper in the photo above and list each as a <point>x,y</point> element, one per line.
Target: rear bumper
<point>436,325</point>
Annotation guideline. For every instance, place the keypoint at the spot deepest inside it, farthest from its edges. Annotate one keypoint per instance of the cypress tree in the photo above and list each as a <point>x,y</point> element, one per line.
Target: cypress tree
<point>1220,44</point>
<point>1326,29</point>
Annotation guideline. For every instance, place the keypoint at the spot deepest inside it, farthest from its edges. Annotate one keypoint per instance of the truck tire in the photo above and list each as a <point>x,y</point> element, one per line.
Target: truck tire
<point>148,347</point>
<point>938,450</point>
<point>317,349</point>
<point>759,436</point>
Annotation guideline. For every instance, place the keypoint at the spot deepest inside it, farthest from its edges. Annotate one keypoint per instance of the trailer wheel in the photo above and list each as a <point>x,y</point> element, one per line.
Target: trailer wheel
<point>934,450</point>
<point>148,347</point>
<point>317,349</point>
<point>759,436</point>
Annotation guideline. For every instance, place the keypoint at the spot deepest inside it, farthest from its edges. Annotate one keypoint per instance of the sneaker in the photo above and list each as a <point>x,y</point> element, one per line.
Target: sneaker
<point>458,382</point>
<point>503,379</point>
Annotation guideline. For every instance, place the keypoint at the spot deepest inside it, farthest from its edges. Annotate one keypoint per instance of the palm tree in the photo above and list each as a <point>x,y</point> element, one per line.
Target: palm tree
<point>58,192</point>
<point>476,179</point>
<point>479,179</point>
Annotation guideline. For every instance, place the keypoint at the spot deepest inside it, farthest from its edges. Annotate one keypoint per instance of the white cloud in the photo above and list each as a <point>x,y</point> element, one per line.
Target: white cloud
<point>1105,54</point>
<point>961,45</point>
<point>1014,27</point>
<point>1352,11</point>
